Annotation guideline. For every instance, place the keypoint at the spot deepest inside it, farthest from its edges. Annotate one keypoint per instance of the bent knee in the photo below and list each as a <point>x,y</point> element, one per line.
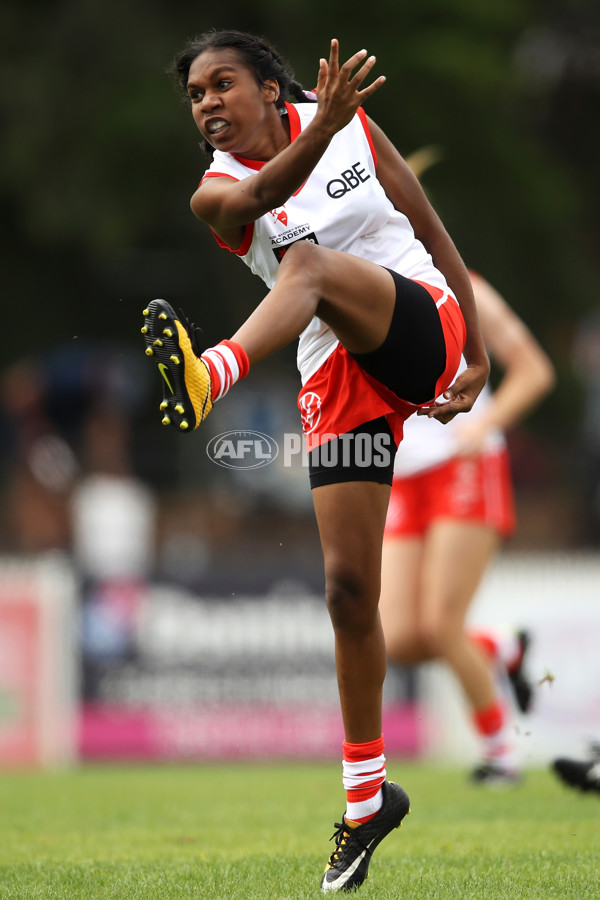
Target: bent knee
<point>301,249</point>
<point>435,638</point>
<point>302,254</point>
<point>406,649</point>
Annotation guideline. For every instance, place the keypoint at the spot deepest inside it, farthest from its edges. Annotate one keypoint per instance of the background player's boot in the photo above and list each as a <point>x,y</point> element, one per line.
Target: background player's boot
<point>171,342</point>
<point>348,865</point>
<point>493,775</point>
<point>583,775</point>
<point>520,684</point>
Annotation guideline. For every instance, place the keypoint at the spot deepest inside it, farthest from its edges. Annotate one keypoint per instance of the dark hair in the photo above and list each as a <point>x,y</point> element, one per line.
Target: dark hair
<point>256,53</point>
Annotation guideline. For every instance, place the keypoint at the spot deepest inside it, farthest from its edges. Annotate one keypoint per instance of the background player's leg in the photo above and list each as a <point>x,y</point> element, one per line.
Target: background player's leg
<point>455,558</point>
<point>402,559</point>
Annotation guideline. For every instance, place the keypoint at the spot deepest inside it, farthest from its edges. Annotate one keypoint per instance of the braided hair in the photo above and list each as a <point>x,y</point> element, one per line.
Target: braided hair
<point>256,53</point>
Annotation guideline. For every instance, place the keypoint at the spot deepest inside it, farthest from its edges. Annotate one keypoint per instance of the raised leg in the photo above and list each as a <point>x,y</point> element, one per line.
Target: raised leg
<point>353,296</point>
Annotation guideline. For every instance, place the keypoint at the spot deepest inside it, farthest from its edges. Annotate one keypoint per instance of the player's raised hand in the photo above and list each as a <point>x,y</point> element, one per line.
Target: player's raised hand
<point>338,88</point>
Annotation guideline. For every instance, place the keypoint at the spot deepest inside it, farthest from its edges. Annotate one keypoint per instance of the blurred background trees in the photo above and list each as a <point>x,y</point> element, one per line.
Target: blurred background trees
<point>100,158</point>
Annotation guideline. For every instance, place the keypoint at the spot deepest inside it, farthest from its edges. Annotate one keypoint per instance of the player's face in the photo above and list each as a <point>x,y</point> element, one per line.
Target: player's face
<point>229,106</point>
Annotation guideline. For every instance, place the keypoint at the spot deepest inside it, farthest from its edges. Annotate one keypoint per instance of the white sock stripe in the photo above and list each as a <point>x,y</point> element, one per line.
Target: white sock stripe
<point>365,776</point>
<point>215,358</point>
<point>364,807</point>
<point>362,781</point>
<point>355,775</point>
<point>364,765</point>
<point>226,366</point>
<point>228,379</point>
<point>230,361</point>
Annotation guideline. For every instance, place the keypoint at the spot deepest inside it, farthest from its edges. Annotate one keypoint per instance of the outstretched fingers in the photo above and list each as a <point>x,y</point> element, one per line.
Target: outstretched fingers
<point>360,76</point>
<point>334,56</point>
<point>334,69</point>
<point>322,77</point>
<point>338,88</point>
<point>352,63</point>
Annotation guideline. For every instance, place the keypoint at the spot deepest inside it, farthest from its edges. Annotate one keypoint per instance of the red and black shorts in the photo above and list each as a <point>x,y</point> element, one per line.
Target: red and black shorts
<point>354,406</point>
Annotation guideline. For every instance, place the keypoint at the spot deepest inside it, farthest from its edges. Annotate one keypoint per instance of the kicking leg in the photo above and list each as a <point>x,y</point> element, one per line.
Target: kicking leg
<point>355,297</point>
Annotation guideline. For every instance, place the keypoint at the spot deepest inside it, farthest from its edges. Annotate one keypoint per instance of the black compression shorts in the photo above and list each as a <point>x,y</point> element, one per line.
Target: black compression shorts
<point>409,362</point>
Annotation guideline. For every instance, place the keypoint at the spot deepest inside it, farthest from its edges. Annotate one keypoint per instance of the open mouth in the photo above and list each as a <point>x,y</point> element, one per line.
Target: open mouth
<point>216,126</point>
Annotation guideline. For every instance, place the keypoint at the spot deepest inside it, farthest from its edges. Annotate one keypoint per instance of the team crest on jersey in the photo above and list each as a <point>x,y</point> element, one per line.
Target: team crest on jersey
<point>279,214</point>
<point>310,411</point>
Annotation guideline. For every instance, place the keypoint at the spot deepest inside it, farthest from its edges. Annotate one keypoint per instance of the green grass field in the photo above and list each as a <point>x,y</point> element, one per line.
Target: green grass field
<point>261,831</point>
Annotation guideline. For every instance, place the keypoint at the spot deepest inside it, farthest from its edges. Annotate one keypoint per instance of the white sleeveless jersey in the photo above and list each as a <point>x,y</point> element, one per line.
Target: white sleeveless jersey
<point>427,443</point>
<point>343,206</point>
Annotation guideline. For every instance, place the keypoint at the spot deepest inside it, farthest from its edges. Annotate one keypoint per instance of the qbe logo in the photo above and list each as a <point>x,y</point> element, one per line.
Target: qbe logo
<point>242,449</point>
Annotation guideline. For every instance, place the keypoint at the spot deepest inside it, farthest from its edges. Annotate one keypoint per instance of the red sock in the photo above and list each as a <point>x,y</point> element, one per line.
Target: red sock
<point>363,774</point>
<point>227,363</point>
<point>497,744</point>
<point>490,719</point>
<point>485,642</point>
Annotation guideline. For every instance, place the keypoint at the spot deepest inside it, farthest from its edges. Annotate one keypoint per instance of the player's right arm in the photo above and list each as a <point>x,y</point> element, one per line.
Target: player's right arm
<point>227,206</point>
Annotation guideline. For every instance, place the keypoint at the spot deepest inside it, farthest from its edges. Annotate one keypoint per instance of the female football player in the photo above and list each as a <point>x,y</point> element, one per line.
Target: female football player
<point>316,200</point>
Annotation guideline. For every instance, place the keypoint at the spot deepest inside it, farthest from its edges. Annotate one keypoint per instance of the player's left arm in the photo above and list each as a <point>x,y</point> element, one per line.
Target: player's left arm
<point>527,373</point>
<point>405,192</point>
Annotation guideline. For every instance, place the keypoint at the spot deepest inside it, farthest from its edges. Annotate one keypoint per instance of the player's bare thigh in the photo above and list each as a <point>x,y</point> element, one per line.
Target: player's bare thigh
<point>357,297</point>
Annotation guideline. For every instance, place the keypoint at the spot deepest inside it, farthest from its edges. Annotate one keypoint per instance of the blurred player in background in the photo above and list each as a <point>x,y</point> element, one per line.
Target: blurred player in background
<point>581,773</point>
<point>381,329</point>
<point>451,506</point>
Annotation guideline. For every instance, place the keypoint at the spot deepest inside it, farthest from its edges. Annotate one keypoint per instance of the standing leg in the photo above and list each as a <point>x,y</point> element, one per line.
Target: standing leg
<point>351,518</point>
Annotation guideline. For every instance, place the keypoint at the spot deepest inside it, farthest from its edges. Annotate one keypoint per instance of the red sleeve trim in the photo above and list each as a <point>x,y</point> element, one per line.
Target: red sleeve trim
<point>217,175</point>
<point>248,229</point>
<point>295,129</point>
<point>365,124</point>
<point>244,246</point>
<point>294,120</point>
